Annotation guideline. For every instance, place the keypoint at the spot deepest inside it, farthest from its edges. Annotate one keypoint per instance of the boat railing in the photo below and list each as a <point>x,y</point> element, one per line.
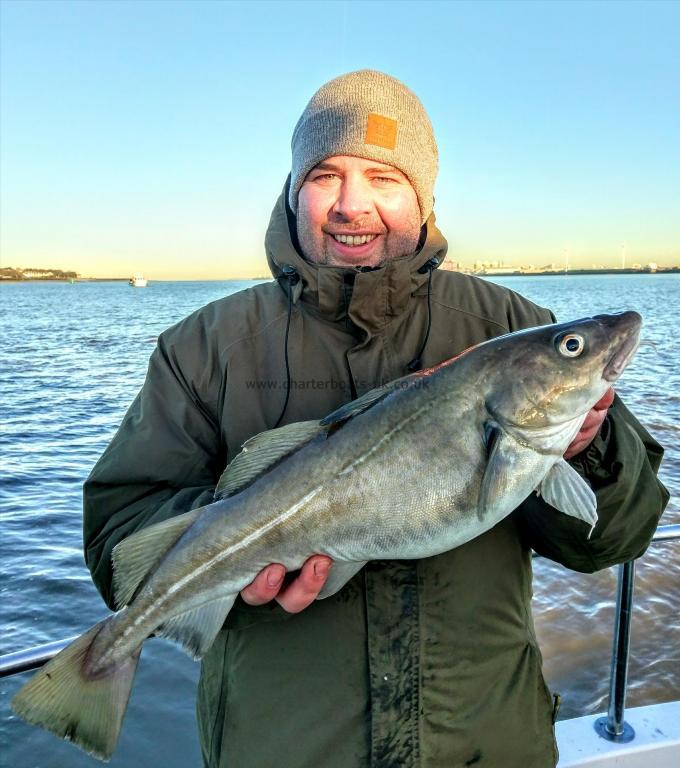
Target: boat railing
<point>613,727</point>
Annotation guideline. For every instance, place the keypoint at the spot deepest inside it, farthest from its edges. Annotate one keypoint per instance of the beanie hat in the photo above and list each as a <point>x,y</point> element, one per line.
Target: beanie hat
<point>371,115</point>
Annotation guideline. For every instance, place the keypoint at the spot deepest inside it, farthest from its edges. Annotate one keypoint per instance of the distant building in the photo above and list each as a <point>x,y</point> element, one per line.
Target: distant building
<point>500,271</point>
<point>17,273</point>
<point>38,273</point>
<point>449,266</point>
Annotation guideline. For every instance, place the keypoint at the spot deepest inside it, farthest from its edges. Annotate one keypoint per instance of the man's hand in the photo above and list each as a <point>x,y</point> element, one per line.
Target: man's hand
<point>591,425</point>
<point>295,596</point>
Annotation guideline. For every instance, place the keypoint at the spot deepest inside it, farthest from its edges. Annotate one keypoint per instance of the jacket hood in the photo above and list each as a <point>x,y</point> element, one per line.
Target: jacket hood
<point>370,298</point>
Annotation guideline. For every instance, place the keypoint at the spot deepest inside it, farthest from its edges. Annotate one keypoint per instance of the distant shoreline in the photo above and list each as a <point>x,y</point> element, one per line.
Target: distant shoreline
<point>64,280</point>
<point>499,273</point>
<point>566,273</point>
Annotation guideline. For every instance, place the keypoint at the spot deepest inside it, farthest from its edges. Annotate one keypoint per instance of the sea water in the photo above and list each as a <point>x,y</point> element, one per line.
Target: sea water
<point>73,358</point>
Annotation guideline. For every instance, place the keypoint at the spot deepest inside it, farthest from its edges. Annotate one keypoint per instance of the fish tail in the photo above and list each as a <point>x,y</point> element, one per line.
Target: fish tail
<point>79,707</point>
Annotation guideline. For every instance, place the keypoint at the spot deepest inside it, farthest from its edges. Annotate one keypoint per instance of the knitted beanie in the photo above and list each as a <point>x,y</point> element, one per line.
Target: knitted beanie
<point>371,115</point>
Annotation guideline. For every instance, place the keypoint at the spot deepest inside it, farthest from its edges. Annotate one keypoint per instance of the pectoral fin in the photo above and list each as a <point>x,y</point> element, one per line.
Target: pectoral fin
<point>501,472</point>
<point>564,489</point>
<point>340,574</point>
<point>509,475</point>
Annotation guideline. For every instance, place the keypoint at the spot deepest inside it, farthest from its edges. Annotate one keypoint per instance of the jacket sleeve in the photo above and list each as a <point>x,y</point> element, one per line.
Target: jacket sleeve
<point>165,458</point>
<point>620,465</point>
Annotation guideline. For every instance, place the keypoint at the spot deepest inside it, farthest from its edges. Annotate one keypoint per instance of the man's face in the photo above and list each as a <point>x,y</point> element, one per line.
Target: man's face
<point>356,212</point>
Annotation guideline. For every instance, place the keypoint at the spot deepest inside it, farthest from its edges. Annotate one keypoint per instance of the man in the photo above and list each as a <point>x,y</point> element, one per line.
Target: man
<point>427,663</point>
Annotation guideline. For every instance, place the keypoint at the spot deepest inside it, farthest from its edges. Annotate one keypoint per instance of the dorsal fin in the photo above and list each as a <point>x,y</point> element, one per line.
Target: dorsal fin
<point>265,449</point>
<point>366,401</point>
<point>136,555</point>
<point>261,452</point>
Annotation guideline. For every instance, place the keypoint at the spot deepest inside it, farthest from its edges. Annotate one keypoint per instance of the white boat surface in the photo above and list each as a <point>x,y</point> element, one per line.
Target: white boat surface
<point>137,281</point>
<point>656,743</point>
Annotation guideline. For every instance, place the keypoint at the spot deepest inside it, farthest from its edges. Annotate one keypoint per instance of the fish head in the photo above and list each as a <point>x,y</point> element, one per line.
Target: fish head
<point>546,379</point>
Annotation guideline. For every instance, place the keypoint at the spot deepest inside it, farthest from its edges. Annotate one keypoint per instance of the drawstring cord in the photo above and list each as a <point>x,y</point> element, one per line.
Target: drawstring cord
<point>429,266</point>
<point>293,278</point>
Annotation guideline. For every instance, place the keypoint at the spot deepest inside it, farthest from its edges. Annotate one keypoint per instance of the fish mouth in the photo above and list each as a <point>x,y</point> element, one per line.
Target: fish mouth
<point>623,355</point>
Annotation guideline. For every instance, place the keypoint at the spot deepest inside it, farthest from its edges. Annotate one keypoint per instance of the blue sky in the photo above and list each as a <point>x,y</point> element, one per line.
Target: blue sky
<point>154,137</point>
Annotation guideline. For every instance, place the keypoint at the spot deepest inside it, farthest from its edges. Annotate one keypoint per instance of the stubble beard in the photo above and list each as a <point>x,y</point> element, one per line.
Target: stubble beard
<point>394,245</point>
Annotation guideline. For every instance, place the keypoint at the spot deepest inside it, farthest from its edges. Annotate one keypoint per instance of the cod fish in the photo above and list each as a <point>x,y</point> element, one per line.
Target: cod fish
<point>409,470</point>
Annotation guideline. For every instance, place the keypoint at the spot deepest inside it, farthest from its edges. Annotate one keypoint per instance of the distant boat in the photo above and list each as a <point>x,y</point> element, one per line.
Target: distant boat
<point>138,281</point>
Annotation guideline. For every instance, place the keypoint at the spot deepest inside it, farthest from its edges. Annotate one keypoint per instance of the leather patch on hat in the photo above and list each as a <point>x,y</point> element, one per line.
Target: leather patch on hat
<point>381,131</point>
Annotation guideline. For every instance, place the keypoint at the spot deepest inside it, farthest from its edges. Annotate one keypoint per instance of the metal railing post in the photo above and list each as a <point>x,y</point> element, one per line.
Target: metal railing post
<point>614,727</point>
<point>32,658</point>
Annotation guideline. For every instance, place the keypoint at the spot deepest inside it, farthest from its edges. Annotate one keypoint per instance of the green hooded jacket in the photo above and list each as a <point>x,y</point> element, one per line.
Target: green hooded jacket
<point>413,663</point>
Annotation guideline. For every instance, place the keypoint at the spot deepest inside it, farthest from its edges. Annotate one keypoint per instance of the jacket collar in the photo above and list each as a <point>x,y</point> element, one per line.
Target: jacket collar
<point>370,299</point>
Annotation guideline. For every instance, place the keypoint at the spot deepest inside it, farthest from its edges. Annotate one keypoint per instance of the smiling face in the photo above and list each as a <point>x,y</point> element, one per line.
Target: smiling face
<point>356,212</point>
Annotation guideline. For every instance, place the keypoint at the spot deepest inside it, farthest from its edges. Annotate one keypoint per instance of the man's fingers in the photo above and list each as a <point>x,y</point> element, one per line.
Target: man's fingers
<point>596,422</point>
<point>596,415</point>
<point>592,417</point>
<point>589,429</point>
<point>578,445</point>
<point>265,586</point>
<point>304,589</point>
<point>605,401</point>
<point>294,597</point>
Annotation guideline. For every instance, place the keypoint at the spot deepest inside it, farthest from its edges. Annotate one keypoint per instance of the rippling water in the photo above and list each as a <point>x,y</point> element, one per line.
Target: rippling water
<point>73,358</point>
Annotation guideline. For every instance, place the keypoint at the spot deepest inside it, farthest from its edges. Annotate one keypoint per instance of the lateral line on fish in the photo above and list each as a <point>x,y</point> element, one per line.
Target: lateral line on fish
<point>255,535</point>
<point>385,438</point>
<point>241,544</point>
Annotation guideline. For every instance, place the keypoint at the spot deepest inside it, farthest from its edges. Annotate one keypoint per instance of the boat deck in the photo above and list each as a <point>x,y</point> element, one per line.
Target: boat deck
<point>656,743</point>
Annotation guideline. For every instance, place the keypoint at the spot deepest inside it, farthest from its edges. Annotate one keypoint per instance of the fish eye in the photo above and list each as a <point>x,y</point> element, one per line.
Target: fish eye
<point>571,345</point>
